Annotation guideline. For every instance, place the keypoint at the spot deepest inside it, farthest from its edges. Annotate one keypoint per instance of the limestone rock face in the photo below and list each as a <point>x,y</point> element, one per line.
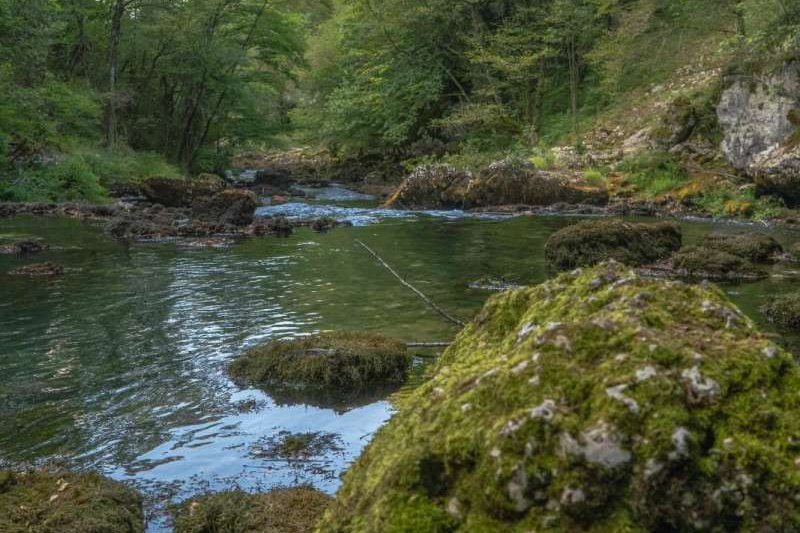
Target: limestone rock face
<point>760,120</point>
<point>598,401</point>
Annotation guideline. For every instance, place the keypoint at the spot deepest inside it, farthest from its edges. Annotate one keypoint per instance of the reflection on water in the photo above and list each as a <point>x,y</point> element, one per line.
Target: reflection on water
<point>120,364</point>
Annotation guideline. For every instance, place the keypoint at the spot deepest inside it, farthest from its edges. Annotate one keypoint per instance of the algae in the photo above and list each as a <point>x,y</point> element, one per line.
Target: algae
<point>598,401</point>
<point>293,510</point>
<point>62,502</point>
<point>593,241</point>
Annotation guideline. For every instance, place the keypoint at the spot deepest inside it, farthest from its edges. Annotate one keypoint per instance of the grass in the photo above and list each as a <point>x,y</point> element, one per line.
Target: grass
<point>343,360</point>
<point>654,173</point>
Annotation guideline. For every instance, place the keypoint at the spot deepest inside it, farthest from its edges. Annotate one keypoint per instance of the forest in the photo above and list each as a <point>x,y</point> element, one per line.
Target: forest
<point>96,94</point>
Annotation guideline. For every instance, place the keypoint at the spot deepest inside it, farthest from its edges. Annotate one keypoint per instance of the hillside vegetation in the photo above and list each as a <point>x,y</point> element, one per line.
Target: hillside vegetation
<point>97,94</point>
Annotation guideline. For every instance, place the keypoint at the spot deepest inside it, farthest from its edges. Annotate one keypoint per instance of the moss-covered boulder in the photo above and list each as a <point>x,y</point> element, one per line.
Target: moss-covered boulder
<point>723,257</point>
<point>182,192</point>
<point>599,401</point>
<point>236,207</point>
<point>60,502</point>
<point>590,242</point>
<point>432,187</point>
<point>784,310</point>
<point>334,360</point>
<point>280,511</point>
<point>509,182</point>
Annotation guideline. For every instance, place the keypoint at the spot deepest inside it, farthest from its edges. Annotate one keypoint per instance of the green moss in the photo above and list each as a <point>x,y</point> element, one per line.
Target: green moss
<point>701,262</point>
<point>342,360</point>
<point>784,310</point>
<point>593,241</point>
<point>755,247</point>
<point>598,401</point>
<point>60,502</point>
<point>279,511</point>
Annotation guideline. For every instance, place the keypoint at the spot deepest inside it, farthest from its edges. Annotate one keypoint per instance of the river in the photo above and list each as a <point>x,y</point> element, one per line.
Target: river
<point>120,364</point>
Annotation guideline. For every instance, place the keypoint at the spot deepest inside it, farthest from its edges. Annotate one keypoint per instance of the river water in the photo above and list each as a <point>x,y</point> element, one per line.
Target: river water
<point>120,364</point>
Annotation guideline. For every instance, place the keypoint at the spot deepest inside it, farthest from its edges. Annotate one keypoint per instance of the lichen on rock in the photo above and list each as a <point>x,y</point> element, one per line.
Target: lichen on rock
<point>590,242</point>
<point>63,502</point>
<point>516,429</point>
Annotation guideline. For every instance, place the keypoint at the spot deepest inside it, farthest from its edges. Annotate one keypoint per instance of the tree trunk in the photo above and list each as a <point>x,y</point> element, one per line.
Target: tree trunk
<point>573,85</point>
<point>116,33</point>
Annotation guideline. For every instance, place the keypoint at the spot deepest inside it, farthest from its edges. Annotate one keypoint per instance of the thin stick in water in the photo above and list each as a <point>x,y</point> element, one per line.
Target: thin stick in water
<point>416,291</point>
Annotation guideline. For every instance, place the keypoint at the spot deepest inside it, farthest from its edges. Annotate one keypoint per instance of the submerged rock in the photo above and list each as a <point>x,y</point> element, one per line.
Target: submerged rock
<point>293,510</point>
<point>40,269</point>
<point>22,245</point>
<point>784,310</point>
<point>528,420</point>
<point>593,241</point>
<point>336,360</point>
<point>60,502</point>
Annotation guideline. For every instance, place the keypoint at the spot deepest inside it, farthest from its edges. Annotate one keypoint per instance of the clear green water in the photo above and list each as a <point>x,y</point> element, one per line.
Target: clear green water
<point>119,365</point>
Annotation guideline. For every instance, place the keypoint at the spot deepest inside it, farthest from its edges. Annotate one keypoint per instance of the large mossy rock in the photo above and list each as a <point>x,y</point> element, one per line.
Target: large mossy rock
<point>590,242</point>
<point>508,183</point>
<point>51,502</point>
<point>279,511</point>
<point>236,207</point>
<point>333,360</point>
<point>180,192</point>
<point>501,183</point>
<point>432,187</point>
<point>599,401</point>
<point>732,256</point>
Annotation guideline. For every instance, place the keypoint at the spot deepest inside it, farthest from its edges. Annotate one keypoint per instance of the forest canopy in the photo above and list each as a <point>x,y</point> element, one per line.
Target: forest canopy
<point>95,93</point>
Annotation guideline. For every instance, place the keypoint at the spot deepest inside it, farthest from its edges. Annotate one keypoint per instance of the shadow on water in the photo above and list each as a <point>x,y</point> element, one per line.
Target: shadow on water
<point>120,364</point>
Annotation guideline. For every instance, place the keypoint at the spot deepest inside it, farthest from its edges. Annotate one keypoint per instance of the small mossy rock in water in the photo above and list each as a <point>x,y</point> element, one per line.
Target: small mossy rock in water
<point>22,245</point>
<point>338,360</point>
<point>432,187</point>
<point>236,207</point>
<point>279,511</point>
<point>180,192</point>
<point>590,242</point>
<point>784,310</point>
<point>709,263</point>
<point>598,401</point>
<point>506,183</point>
<point>755,247</point>
<point>61,502</point>
<point>39,270</point>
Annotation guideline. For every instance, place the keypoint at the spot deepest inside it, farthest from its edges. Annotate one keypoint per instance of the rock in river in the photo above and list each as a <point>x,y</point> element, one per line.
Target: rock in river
<point>63,502</point>
<point>598,401</point>
<point>593,241</point>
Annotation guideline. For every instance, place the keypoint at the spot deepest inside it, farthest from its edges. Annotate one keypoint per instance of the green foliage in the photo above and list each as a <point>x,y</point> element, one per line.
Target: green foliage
<point>70,180</point>
<point>654,172</point>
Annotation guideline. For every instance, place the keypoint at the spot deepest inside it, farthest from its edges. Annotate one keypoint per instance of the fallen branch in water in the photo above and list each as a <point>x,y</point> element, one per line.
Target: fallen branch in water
<point>416,291</point>
<point>428,344</point>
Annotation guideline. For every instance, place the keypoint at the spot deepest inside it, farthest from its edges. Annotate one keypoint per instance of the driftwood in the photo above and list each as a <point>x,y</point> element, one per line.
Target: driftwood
<point>416,291</point>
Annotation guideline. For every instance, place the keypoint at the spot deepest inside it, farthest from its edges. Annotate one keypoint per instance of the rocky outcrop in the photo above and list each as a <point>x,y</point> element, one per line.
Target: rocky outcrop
<point>598,401</point>
<point>236,207</point>
<point>593,241</point>
<point>182,192</point>
<point>759,120</point>
<point>501,183</point>
<point>63,502</point>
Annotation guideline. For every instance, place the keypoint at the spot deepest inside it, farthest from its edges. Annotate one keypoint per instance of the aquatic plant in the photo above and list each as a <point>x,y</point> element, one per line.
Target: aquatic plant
<point>598,401</point>
<point>593,241</point>
<point>293,510</point>
<point>62,502</point>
